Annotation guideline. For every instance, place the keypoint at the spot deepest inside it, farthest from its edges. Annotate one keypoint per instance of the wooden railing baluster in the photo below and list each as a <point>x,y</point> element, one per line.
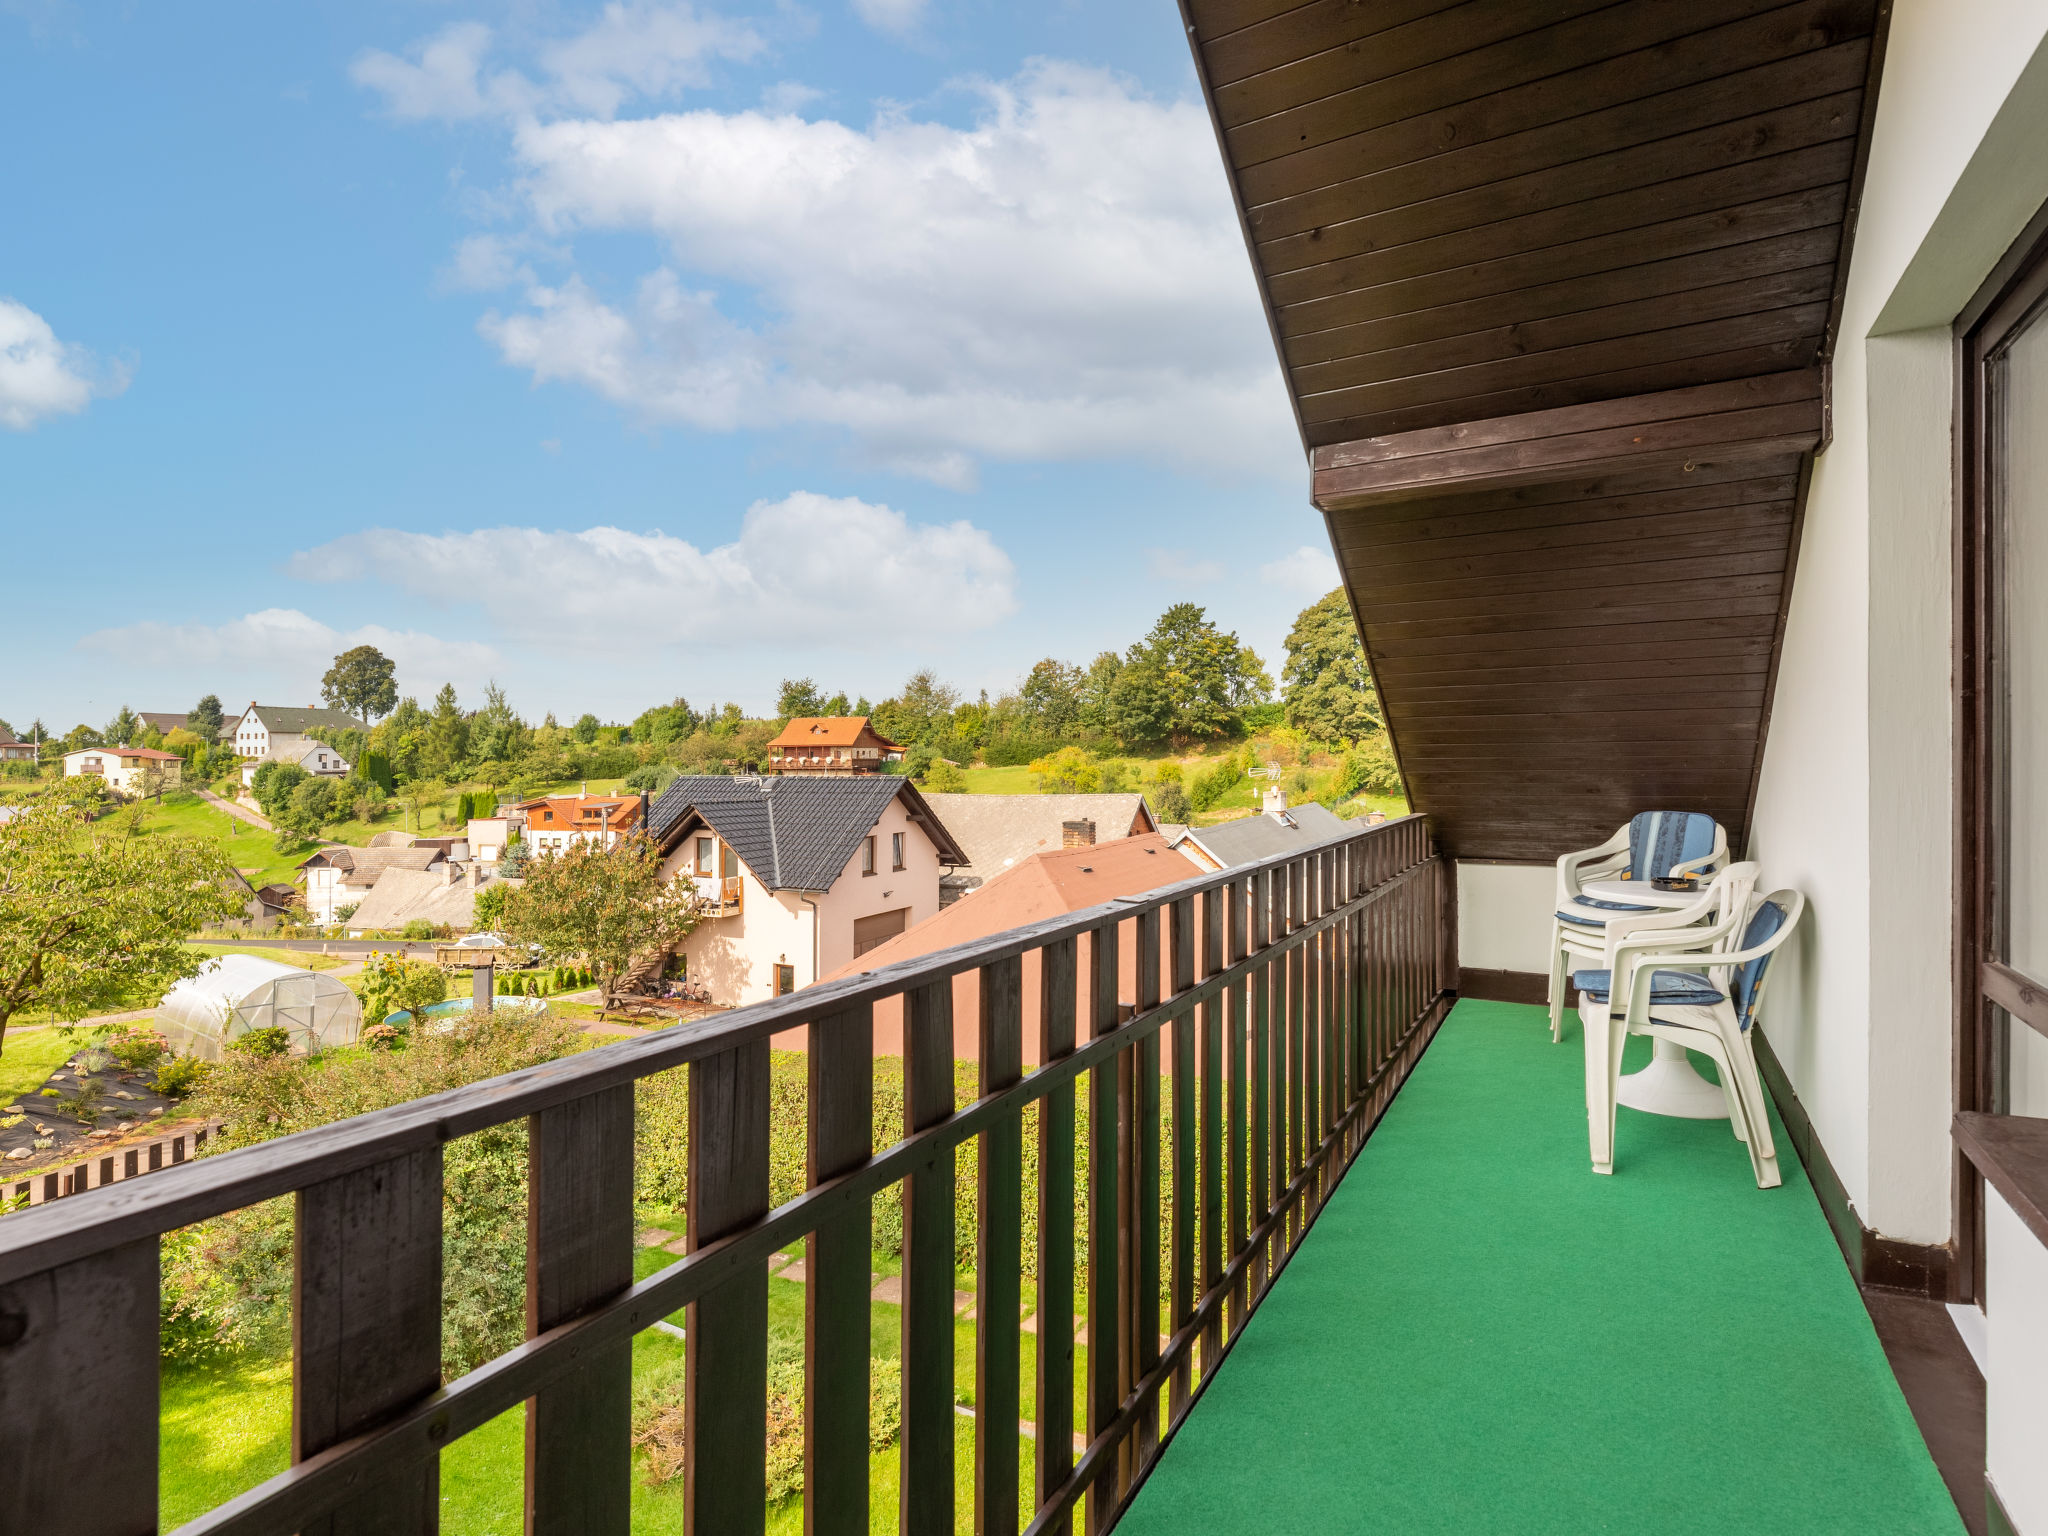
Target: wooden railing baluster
<point>78,1395</point>
<point>926,1449</point>
<point>1293,1075</point>
<point>1055,1314</point>
<point>1236,1048</point>
<point>1181,1275</point>
<point>999,1257</point>
<point>1106,1264</point>
<point>1143,1222</point>
<point>1265,1140</point>
<point>366,1326</point>
<point>579,1252</point>
<point>725,1383</point>
<point>839,1137</point>
<point>1211,1144</point>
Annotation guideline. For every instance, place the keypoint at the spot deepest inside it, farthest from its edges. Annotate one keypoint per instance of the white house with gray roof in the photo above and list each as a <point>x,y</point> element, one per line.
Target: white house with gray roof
<point>798,875</point>
<point>281,732</point>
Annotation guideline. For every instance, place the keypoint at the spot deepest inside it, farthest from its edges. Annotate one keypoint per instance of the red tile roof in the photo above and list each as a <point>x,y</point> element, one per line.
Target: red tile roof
<point>829,731</point>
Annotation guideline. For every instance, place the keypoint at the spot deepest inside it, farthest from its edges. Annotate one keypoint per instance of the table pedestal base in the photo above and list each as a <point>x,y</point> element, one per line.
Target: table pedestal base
<point>1670,1086</point>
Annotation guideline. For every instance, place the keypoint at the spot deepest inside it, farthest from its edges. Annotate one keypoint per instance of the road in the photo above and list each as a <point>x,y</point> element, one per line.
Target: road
<point>239,812</point>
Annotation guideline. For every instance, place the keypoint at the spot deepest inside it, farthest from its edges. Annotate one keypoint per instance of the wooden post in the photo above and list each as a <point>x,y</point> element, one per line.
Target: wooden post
<point>1055,1317</point>
<point>366,1326</point>
<point>999,1258</point>
<point>926,1451</point>
<point>579,1251</point>
<point>726,1366</point>
<point>840,1136</point>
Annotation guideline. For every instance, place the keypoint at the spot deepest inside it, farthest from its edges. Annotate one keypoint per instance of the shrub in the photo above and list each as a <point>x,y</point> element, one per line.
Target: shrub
<point>1171,802</point>
<point>418,928</point>
<point>270,1040</point>
<point>1068,771</point>
<point>139,1050</point>
<point>944,778</point>
<point>181,1075</point>
<point>227,1280</point>
<point>1213,783</point>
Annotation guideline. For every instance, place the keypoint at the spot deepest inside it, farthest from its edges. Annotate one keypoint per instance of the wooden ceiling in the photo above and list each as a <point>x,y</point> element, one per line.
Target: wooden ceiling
<point>1553,284</point>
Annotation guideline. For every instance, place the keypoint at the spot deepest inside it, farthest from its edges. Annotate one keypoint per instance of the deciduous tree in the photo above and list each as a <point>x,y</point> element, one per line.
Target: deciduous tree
<point>89,920</point>
<point>603,906</point>
<point>1327,690</point>
<point>363,682</point>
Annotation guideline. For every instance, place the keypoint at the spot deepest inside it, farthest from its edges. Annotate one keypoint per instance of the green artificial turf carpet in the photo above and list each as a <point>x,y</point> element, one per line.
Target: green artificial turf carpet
<point>1481,1335</point>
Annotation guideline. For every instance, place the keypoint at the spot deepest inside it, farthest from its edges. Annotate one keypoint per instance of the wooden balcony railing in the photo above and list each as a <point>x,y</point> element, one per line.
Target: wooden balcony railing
<point>1287,1014</point>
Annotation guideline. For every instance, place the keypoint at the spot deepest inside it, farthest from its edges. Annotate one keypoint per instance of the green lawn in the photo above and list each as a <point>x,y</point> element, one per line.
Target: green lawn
<point>29,1056</point>
<point>248,848</point>
<point>304,959</point>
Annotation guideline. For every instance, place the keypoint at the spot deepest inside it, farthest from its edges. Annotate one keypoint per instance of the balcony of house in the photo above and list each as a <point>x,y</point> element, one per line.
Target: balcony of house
<point>1337,1261</point>
<point>825,760</point>
<point>719,896</point>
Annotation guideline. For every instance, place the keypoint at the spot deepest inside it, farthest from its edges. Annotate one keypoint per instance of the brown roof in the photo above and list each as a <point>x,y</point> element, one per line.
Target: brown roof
<point>829,731</point>
<point>367,865</point>
<point>1049,884</point>
<point>570,812</point>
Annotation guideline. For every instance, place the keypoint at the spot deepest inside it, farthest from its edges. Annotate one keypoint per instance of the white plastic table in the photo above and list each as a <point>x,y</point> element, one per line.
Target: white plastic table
<point>1668,1085</point>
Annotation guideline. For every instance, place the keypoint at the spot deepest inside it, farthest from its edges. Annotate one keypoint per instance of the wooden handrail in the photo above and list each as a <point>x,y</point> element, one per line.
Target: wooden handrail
<point>1301,992</point>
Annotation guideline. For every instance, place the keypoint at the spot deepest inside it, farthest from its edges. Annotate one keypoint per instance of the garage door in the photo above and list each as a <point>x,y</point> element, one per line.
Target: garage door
<point>879,929</point>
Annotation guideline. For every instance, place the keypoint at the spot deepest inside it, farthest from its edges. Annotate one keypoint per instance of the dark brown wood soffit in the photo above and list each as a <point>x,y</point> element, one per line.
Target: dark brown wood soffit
<point>1552,284</point>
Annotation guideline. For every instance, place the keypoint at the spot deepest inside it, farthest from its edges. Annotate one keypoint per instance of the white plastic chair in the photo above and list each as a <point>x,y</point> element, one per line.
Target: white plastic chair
<point>1710,1013</point>
<point>1653,845</point>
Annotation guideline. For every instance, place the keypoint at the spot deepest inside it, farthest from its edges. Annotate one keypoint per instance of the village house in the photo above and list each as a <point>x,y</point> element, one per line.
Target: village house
<point>17,752</point>
<point>162,721</point>
<point>316,757</point>
<point>998,832</point>
<point>340,878</point>
<point>280,732</point>
<point>1277,827</point>
<point>553,822</point>
<point>442,894</point>
<point>1046,884</point>
<point>798,875</point>
<point>831,744</point>
<point>124,768</point>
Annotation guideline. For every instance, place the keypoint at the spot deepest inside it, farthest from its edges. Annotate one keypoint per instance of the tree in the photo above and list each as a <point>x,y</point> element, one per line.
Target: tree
<point>1170,802</point>
<point>447,734</point>
<point>1207,675</point>
<point>1051,697</point>
<point>206,719</point>
<point>1095,688</point>
<point>495,731</point>
<point>1069,771</point>
<point>512,858</point>
<point>663,723</point>
<point>89,921</point>
<point>799,696</point>
<point>1139,709</point>
<point>391,984</point>
<point>1327,690</point>
<point>490,906</point>
<point>603,906</point>
<point>420,794</point>
<point>586,728</point>
<point>362,682</point>
<point>922,712</point>
<point>122,729</point>
<point>944,778</point>
<point>274,784</point>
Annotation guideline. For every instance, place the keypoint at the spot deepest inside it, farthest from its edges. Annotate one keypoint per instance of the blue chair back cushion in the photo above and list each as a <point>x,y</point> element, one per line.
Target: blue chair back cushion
<point>1659,840</point>
<point>1587,920</point>
<point>1765,921</point>
<point>1679,988</point>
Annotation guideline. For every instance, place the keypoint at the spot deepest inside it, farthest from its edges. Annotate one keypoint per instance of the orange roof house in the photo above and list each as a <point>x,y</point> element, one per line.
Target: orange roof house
<point>554,821</point>
<point>1048,884</point>
<point>830,744</point>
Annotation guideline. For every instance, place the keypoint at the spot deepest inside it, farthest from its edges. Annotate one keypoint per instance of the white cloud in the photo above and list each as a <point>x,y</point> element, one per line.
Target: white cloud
<point>286,639</point>
<point>806,568</point>
<point>1308,569</point>
<point>1014,290</point>
<point>890,15</point>
<point>41,376</point>
<point>638,48</point>
<point>1180,568</point>
<point>789,96</point>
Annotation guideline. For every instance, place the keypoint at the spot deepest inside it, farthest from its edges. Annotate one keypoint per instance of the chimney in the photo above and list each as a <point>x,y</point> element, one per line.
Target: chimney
<point>1077,834</point>
<point>1274,802</point>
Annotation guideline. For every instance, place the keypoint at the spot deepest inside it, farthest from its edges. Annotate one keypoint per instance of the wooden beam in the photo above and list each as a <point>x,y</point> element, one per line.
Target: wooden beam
<point>1766,417</point>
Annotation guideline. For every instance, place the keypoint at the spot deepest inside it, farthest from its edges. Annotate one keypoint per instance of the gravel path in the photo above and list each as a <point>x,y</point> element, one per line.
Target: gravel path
<point>239,812</point>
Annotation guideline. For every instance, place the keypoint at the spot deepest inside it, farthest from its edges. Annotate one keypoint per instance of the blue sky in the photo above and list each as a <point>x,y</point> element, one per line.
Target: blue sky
<point>620,351</point>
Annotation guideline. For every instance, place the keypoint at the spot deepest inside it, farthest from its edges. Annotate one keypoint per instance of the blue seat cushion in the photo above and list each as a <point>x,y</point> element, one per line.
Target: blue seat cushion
<point>1658,841</point>
<point>1768,918</point>
<point>1680,988</point>
<point>1607,906</point>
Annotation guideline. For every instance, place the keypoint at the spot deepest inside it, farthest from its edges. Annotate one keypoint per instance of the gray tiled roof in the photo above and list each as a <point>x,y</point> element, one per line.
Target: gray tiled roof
<point>298,721</point>
<point>796,833</point>
<point>999,831</point>
<point>1259,836</point>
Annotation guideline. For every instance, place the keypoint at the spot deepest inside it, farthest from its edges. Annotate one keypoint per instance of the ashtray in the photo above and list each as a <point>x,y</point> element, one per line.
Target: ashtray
<point>1674,883</point>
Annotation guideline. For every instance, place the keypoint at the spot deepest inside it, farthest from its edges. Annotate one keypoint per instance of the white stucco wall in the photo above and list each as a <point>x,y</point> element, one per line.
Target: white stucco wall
<point>1854,802</point>
<point>2016,1382</point>
<point>736,956</point>
<point>1504,913</point>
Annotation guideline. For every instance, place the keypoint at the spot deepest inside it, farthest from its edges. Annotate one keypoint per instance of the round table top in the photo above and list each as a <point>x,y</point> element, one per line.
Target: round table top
<point>1640,893</point>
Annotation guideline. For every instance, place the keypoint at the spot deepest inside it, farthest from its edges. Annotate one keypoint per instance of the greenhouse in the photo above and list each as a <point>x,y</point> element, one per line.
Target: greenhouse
<point>237,993</point>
